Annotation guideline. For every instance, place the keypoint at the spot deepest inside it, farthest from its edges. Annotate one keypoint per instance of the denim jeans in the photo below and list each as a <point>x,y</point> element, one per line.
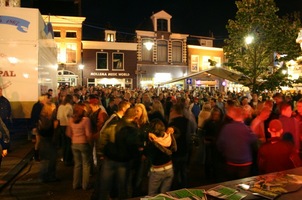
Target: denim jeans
<point>65,145</point>
<point>180,166</point>
<point>160,181</point>
<point>113,174</point>
<point>82,165</point>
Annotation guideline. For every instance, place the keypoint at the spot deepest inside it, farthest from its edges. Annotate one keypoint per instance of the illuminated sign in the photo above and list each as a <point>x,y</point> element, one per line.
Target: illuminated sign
<point>109,74</point>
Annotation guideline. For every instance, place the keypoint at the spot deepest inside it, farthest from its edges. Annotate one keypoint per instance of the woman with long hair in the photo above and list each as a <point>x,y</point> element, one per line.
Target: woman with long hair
<point>79,130</point>
<point>65,111</point>
<point>141,165</point>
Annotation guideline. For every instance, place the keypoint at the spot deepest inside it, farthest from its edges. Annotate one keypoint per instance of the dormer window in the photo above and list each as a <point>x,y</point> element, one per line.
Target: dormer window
<point>110,36</point>
<point>162,25</point>
<point>161,21</point>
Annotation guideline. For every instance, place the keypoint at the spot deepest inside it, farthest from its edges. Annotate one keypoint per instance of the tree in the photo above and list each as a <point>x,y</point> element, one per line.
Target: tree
<point>256,36</point>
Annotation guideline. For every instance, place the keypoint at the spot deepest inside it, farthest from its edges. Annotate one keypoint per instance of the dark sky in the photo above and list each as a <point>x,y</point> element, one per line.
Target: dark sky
<point>194,17</point>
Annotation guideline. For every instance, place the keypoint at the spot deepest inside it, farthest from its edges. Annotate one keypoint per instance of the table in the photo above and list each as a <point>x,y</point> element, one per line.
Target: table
<point>288,196</point>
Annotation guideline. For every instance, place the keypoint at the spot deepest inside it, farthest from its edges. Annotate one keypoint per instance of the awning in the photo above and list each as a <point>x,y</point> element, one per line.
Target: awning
<point>216,71</point>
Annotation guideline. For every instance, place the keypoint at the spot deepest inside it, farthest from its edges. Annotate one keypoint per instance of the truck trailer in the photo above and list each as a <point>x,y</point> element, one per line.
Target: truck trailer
<point>28,58</point>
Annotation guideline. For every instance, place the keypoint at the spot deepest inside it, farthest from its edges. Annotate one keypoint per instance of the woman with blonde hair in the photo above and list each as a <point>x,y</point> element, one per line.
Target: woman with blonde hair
<point>204,114</point>
<point>141,164</point>
<point>142,114</point>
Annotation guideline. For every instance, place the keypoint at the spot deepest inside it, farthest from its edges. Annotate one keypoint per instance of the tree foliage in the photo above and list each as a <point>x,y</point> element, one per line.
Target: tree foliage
<point>271,35</point>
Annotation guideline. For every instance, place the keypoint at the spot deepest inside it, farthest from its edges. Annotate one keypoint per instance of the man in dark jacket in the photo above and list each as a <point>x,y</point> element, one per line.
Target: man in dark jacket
<point>182,136</point>
<point>119,153</point>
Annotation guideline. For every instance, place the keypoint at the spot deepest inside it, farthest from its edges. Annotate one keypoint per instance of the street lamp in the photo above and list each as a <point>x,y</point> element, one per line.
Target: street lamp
<point>81,67</point>
<point>148,45</point>
<point>249,39</point>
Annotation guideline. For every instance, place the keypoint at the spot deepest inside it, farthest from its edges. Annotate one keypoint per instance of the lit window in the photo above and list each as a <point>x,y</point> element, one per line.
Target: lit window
<point>147,53</point>
<point>59,54</point>
<point>71,53</point>
<point>118,61</point>
<point>205,62</point>
<point>110,37</point>
<point>101,61</point>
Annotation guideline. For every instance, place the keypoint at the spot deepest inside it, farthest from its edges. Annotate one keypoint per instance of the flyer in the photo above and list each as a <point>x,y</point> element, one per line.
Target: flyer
<point>198,194</point>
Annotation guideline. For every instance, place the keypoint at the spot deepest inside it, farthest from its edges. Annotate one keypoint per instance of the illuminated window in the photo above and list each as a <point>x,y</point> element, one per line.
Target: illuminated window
<point>128,83</point>
<point>110,37</point>
<point>118,61</point>
<point>217,60</point>
<point>60,58</point>
<point>71,53</point>
<point>205,62</point>
<point>101,61</point>
<point>177,51</point>
<point>162,51</point>
<point>146,52</point>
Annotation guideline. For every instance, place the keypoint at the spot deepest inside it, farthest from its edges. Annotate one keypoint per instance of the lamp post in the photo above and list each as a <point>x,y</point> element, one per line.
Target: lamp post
<point>249,39</point>
<point>81,67</point>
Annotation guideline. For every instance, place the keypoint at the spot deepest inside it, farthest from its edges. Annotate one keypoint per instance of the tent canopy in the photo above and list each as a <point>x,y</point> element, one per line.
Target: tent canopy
<point>216,71</point>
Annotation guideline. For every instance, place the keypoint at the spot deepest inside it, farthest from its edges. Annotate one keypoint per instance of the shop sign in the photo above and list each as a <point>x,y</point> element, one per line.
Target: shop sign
<point>109,74</point>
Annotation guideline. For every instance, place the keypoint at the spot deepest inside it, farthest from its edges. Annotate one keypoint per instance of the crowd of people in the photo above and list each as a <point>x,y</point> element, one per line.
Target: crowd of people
<point>140,142</point>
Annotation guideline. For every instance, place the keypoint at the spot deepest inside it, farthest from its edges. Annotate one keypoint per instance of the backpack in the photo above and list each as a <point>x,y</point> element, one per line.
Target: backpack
<point>123,148</point>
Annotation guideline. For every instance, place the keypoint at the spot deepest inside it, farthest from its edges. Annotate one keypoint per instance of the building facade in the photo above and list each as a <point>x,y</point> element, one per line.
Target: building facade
<point>161,54</point>
<point>110,63</point>
<point>68,37</point>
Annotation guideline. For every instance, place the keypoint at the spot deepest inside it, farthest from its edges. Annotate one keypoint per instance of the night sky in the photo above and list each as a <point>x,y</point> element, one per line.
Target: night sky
<point>194,17</point>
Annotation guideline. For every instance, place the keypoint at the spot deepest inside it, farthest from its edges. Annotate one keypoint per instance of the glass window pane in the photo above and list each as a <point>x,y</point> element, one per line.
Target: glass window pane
<point>71,34</point>
<point>147,53</point>
<point>162,51</point>
<point>71,53</point>
<point>162,25</point>
<point>57,33</point>
<point>101,61</point>
<point>118,61</point>
<point>177,51</point>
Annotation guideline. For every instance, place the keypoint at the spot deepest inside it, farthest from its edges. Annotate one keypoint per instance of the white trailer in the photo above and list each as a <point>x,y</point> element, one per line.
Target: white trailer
<point>28,58</point>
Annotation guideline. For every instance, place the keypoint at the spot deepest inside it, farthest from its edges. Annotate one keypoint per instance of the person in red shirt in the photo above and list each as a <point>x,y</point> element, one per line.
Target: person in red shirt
<point>276,154</point>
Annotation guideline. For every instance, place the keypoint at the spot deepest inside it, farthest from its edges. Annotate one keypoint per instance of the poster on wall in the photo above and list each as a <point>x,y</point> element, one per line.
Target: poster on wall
<point>194,63</point>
